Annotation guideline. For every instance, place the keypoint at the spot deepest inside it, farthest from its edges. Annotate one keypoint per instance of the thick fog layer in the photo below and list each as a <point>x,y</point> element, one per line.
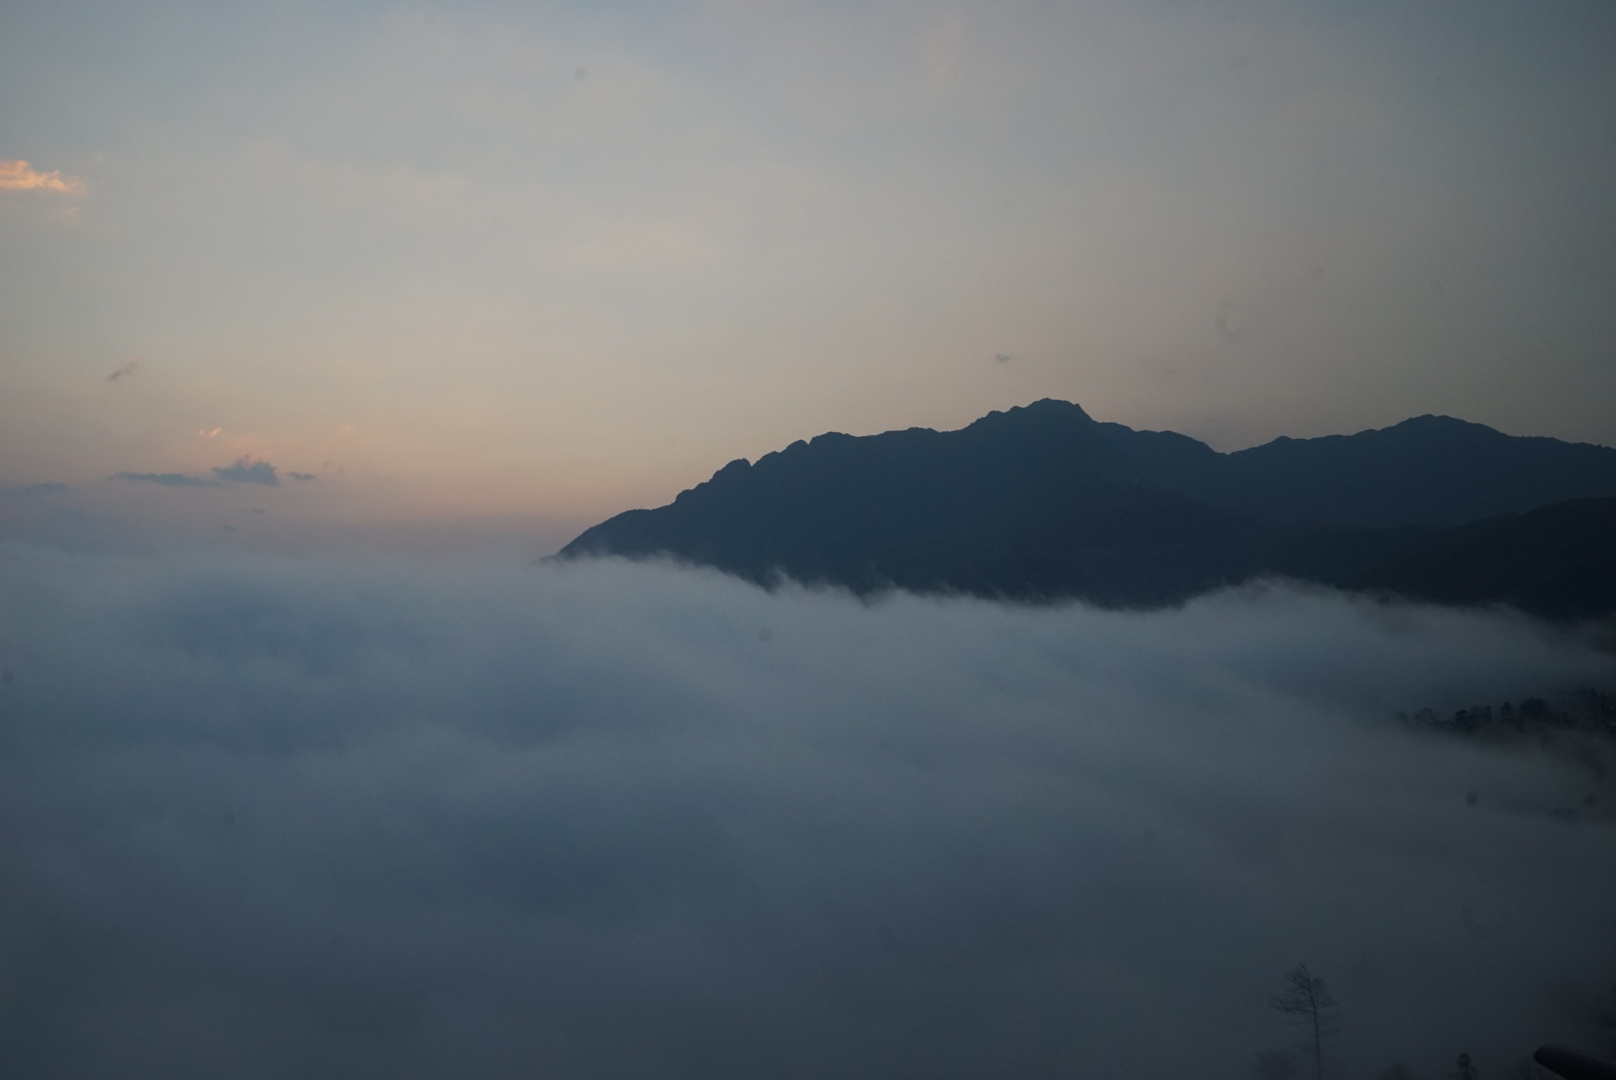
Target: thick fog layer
<point>350,818</point>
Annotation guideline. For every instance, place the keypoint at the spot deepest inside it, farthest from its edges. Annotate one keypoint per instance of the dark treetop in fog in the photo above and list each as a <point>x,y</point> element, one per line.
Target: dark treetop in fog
<point>1043,501</point>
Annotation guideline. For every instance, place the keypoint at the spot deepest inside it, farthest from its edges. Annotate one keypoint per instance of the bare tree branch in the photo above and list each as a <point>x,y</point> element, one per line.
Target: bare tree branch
<point>1306,1001</point>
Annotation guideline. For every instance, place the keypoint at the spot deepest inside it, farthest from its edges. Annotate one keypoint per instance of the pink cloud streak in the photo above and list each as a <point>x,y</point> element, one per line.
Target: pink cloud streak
<point>21,176</point>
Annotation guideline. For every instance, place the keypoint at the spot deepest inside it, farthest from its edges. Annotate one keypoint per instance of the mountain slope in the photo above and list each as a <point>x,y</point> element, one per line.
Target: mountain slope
<point>1431,470</point>
<point>1044,501</point>
<point>1558,561</point>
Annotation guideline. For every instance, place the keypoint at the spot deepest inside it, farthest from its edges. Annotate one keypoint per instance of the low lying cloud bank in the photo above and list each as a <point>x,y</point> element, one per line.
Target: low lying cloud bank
<point>167,479</point>
<point>244,471</point>
<point>343,817</point>
<point>248,471</point>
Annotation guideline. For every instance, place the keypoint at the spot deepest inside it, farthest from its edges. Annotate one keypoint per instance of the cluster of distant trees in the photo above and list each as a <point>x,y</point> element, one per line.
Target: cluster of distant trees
<point>1586,710</point>
<point>1581,724</point>
<point>1579,728</point>
<point>1305,1002</point>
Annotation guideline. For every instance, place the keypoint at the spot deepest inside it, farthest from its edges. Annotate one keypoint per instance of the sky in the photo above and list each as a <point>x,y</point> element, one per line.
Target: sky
<point>335,816</point>
<point>520,267</point>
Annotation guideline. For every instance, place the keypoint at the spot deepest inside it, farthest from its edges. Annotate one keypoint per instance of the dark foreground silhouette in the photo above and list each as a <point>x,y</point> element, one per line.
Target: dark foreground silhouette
<point>1044,503</point>
<point>1574,1064</point>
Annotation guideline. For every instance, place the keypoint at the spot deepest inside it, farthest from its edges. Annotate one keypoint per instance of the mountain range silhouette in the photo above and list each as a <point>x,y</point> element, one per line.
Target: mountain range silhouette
<point>1044,503</point>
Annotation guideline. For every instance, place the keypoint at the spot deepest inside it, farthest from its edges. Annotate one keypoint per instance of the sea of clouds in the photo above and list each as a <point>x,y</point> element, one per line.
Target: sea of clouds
<point>358,816</point>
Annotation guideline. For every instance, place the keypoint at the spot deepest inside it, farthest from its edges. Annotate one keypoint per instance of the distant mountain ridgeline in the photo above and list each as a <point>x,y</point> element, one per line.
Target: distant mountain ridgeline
<point>1042,502</point>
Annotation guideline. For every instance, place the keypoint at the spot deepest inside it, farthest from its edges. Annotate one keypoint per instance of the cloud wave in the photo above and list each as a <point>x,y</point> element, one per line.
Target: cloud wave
<point>358,817</point>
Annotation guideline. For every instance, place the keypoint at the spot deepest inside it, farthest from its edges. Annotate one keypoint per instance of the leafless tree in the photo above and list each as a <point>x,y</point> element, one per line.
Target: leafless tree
<point>1464,1069</point>
<point>1306,1001</point>
<point>1276,1065</point>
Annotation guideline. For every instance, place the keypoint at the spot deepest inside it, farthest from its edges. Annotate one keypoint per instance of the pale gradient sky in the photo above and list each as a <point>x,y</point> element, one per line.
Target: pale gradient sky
<point>541,263</point>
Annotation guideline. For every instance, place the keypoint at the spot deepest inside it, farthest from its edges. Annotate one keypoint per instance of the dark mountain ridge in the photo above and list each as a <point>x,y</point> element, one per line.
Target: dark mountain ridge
<point>1431,470</point>
<point>1044,502</point>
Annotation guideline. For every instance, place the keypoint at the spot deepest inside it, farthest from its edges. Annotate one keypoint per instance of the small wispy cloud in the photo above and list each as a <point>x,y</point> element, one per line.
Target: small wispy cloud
<point>31,492</point>
<point>167,479</point>
<point>302,476</point>
<point>248,471</point>
<point>124,372</point>
<point>21,176</point>
<point>207,433</point>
